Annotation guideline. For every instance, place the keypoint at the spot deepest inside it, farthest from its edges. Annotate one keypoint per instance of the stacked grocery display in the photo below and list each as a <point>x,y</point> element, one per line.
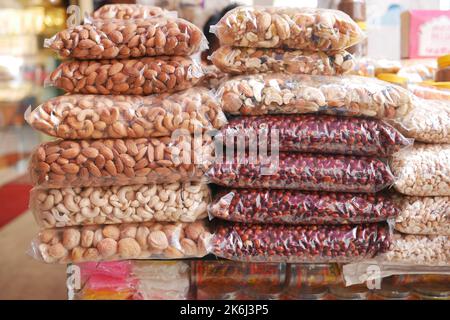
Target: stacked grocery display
<point>319,200</point>
<point>123,181</point>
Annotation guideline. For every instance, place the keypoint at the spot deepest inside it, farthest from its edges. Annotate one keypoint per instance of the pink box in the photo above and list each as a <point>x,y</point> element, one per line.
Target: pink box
<point>425,33</point>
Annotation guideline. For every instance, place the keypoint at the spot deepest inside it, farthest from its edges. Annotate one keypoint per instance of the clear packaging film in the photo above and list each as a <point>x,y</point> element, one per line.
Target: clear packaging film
<point>123,39</point>
<point>90,116</point>
<point>299,207</point>
<point>143,76</point>
<point>118,162</point>
<point>284,27</point>
<point>429,92</point>
<point>319,134</point>
<point>238,60</point>
<point>124,11</point>
<point>304,172</point>
<point>185,202</point>
<point>283,93</point>
<point>424,216</point>
<point>147,240</point>
<point>423,170</point>
<point>299,244</point>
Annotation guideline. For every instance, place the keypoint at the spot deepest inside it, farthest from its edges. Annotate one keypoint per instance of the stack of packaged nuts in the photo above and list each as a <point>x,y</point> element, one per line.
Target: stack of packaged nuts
<point>124,179</point>
<point>316,200</point>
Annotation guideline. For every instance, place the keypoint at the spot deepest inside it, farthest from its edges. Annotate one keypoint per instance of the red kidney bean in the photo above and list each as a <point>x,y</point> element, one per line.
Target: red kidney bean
<point>307,244</point>
<point>299,207</point>
<point>321,134</point>
<point>304,172</point>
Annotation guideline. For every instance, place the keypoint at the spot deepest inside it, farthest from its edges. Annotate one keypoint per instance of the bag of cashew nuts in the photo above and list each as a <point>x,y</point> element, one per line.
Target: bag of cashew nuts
<point>118,162</point>
<point>123,11</point>
<point>79,116</point>
<point>185,202</point>
<point>146,240</point>
<point>283,27</point>
<point>423,170</point>
<point>300,207</point>
<point>299,244</point>
<point>309,172</point>
<point>317,134</point>
<point>123,39</point>
<point>424,216</point>
<point>428,121</point>
<point>237,60</point>
<point>142,76</point>
<point>286,94</point>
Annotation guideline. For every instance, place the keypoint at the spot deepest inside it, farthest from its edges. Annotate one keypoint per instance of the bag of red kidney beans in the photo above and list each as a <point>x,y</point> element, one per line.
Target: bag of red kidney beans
<point>301,207</point>
<point>302,171</point>
<point>300,244</point>
<point>318,134</point>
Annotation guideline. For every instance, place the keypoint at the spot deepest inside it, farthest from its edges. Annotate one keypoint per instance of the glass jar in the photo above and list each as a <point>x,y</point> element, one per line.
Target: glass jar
<point>265,281</point>
<point>443,73</point>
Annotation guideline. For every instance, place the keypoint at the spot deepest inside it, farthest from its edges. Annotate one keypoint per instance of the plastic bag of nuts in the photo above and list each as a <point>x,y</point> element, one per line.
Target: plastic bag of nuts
<point>423,170</point>
<point>280,93</point>
<point>122,39</point>
<point>142,76</point>
<point>424,215</point>
<point>429,92</point>
<point>237,60</point>
<point>185,202</point>
<point>80,116</point>
<point>299,244</point>
<point>319,134</point>
<point>124,11</point>
<point>283,27</point>
<point>147,240</point>
<point>107,162</point>
<point>299,207</point>
<point>311,172</point>
<point>419,250</point>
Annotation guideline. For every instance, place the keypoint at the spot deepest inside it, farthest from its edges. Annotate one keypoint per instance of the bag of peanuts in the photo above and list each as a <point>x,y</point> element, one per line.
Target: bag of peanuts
<point>123,39</point>
<point>147,240</point>
<point>79,116</point>
<point>424,216</point>
<point>309,172</point>
<point>123,11</point>
<point>236,60</point>
<point>299,244</point>
<point>428,121</point>
<point>118,162</point>
<point>317,134</point>
<point>142,76</point>
<point>423,170</point>
<point>185,202</point>
<point>286,94</point>
<point>300,207</point>
<point>284,27</point>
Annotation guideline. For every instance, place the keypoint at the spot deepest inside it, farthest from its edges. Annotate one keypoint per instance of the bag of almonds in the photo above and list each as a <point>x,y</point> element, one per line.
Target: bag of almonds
<point>284,27</point>
<point>125,11</point>
<point>108,162</point>
<point>237,60</point>
<point>123,39</point>
<point>279,93</point>
<point>146,240</point>
<point>79,116</point>
<point>142,76</point>
<point>184,202</point>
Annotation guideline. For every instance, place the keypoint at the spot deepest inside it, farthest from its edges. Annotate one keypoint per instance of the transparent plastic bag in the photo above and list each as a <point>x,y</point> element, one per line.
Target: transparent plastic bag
<point>424,216</point>
<point>185,202</point>
<point>80,116</point>
<point>281,93</point>
<point>423,170</point>
<point>299,207</point>
<point>311,172</point>
<point>124,11</point>
<point>320,134</point>
<point>148,240</point>
<point>122,39</point>
<point>429,92</point>
<point>237,60</point>
<point>142,76</point>
<point>118,162</point>
<point>299,244</point>
<point>284,27</point>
